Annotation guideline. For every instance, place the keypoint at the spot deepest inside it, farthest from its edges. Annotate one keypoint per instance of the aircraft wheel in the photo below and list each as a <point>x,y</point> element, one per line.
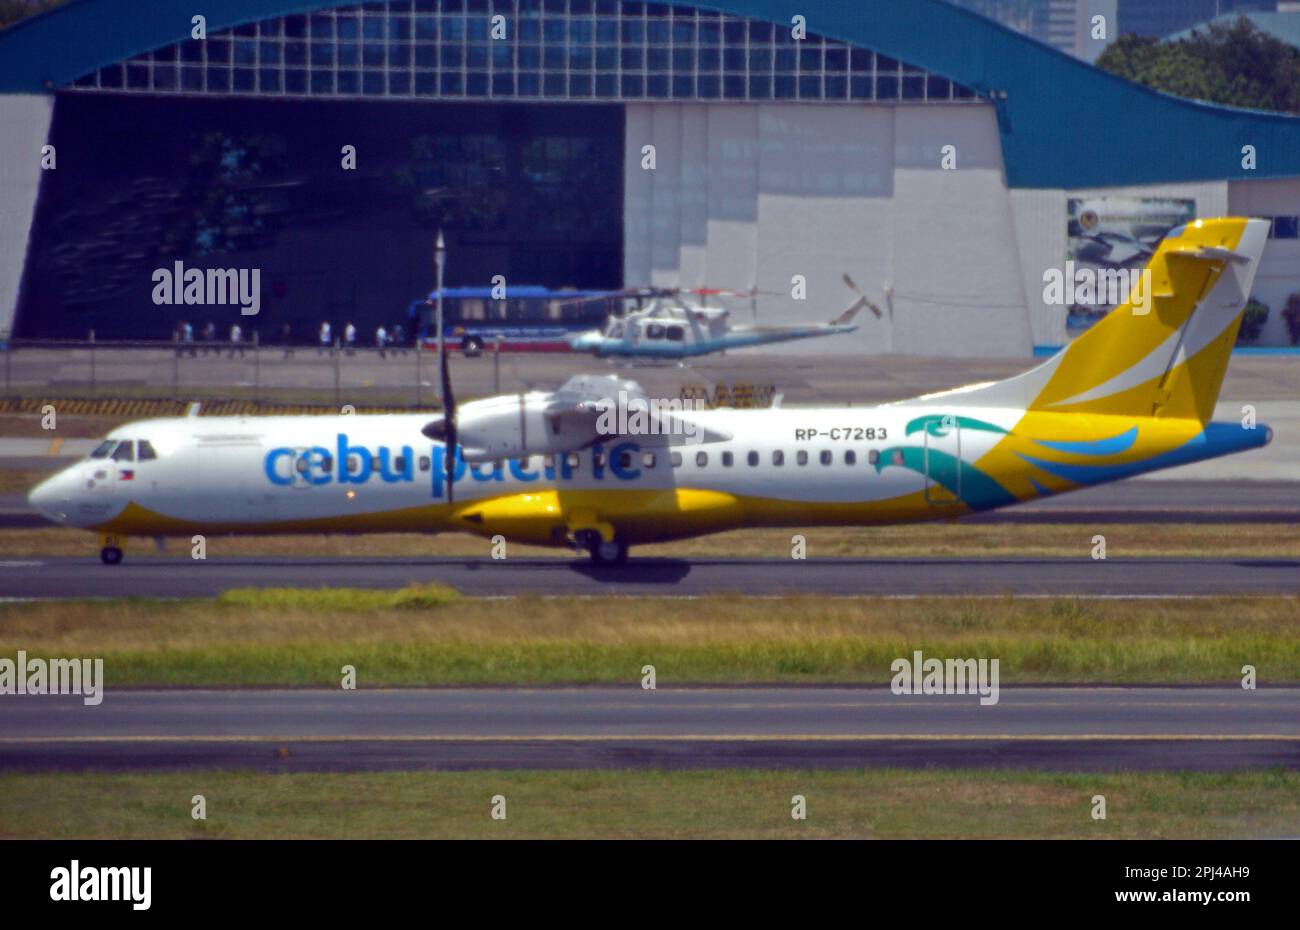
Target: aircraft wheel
<point>609,552</point>
<point>110,555</point>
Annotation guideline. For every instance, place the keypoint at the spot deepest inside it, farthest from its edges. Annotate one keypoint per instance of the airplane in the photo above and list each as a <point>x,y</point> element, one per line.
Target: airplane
<point>597,466</point>
<point>670,328</point>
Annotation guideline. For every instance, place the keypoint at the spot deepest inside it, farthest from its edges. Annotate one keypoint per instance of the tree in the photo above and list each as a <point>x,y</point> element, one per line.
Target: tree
<point>1229,63</point>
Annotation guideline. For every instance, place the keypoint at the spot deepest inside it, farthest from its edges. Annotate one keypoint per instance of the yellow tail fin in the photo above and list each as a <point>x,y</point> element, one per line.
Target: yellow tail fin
<point>1168,361</point>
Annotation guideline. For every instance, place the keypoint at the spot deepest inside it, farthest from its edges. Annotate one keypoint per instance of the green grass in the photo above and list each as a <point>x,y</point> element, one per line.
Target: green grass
<point>428,636</point>
<point>876,803</point>
<point>346,600</point>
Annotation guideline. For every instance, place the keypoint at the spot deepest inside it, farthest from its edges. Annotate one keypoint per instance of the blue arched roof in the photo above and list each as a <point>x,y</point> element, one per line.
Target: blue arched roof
<point>1063,123</point>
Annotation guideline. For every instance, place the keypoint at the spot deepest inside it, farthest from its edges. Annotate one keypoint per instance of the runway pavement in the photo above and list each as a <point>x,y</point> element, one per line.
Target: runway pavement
<point>1086,729</point>
<point>157,577</point>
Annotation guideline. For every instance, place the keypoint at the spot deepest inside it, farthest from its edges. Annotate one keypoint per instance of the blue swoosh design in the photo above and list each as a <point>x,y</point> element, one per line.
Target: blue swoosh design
<point>1217,439</point>
<point>1112,446</point>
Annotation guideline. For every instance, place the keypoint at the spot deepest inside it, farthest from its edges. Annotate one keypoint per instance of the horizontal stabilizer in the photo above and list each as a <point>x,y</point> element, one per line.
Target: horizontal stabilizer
<point>1208,253</point>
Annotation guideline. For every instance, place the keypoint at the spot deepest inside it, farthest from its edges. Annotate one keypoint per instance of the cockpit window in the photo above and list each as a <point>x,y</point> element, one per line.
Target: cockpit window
<point>146,452</point>
<point>103,449</point>
<point>125,452</point>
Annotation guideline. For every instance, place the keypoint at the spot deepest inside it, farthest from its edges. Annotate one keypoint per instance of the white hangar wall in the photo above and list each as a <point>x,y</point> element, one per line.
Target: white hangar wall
<point>26,121</point>
<point>1041,225</point>
<point>1279,273</point>
<point>747,194</point>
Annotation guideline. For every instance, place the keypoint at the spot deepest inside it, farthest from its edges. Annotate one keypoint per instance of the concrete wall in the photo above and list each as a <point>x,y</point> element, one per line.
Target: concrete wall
<point>1279,273</point>
<point>787,190</point>
<point>26,124</point>
<point>746,194</point>
<point>1041,225</point>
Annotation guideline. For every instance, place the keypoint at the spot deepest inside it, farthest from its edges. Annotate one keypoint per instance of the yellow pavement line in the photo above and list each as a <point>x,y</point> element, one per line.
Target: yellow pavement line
<point>55,445</point>
<point>657,737</point>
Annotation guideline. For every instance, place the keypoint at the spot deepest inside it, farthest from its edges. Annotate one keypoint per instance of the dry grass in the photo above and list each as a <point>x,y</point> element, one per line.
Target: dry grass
<point>877,803</point>
<point>426,638</point>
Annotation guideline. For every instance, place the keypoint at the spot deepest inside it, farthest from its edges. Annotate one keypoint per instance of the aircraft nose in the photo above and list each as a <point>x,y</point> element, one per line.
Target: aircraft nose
<point>52,498</point>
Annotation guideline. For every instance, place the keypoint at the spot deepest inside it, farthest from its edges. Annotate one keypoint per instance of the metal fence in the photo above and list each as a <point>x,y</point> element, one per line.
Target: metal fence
<point>401,374</point>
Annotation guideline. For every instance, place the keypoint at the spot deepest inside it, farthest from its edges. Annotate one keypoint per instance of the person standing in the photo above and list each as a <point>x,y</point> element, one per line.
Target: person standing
<point>236,340</point>
<point>286,339</point>
<point>326,335</point>
<point>381,340</point>
<point>349,337</point>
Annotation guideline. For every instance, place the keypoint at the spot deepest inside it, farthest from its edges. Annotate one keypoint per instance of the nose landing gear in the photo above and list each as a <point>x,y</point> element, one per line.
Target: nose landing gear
<point>110,552</point>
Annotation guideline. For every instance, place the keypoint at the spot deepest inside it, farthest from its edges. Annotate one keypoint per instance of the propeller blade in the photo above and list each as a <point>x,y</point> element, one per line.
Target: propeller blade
<point>862,298</point>
<point>448,398</point>
<point>449,432</point>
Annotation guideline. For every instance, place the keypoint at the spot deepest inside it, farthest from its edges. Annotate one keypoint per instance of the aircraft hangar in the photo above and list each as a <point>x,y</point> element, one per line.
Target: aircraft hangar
<point>940,159</point>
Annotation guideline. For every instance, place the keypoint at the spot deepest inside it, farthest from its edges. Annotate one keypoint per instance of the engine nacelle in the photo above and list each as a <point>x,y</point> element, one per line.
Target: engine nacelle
<point>515,426</point>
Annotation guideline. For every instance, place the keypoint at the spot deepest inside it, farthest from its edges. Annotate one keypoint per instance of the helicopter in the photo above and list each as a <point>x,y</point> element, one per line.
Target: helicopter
<point>680,323</point>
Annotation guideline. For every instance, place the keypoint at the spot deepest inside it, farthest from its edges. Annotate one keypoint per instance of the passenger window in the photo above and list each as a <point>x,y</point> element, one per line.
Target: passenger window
<point>399,463</point>
<point>424,463</point>
<point>850,457</point>
<point>677,460</point>
<point>654,331</point>
<point>326,463</point>
<point>103,449</point>
<point>752,458</point>
<point>302,464</point>
<point>648,459</point>
<point>873,457</point>
<point>778,457</point>
<point>598,459</point>
<point>676,334</point>
<point>146,451</point>
<point>374,463</point>
<point>801,457</point>
<point>125,451</point>
<point>573,460</point>
<point>726,459</point>
<point>701,459</point>
<point>827,456</point>
<point>625,460</point>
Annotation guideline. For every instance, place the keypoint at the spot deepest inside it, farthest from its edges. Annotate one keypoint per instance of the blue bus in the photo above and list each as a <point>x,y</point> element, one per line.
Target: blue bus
<point>529,319</point>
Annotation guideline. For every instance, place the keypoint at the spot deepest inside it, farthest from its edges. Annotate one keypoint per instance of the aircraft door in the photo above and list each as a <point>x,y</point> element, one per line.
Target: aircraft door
<point>943,460</point>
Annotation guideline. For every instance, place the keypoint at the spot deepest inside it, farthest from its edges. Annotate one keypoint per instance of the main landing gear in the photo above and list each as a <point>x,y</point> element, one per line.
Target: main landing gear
<point>602,551</point>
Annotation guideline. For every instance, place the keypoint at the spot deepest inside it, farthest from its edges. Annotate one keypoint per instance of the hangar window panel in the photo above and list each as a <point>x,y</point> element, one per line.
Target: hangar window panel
<point>557,49</point>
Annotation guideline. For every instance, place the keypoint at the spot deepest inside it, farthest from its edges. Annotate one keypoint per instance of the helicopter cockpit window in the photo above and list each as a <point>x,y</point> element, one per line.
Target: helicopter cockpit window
<point>616,329</point>
<point>125,451</point>
<point>103,449</point>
